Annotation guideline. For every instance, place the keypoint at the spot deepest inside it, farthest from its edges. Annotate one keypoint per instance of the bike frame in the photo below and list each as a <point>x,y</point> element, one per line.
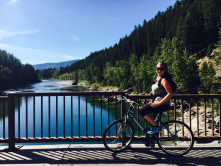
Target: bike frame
<point>132,114</point>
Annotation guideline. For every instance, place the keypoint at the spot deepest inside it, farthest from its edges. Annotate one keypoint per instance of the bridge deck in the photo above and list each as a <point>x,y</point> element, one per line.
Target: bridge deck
<point>94,154</point>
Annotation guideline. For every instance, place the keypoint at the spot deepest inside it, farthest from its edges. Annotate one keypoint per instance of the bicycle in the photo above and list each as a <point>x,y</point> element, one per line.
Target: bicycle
<point>176,138</point>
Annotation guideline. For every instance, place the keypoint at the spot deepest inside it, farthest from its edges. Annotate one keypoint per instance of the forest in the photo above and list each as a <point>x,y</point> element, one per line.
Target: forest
<point>181,35</point>
<point>13,74</point>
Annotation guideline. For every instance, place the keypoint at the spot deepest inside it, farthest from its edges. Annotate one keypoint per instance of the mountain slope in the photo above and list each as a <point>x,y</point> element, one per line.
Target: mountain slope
<point>54,65</point>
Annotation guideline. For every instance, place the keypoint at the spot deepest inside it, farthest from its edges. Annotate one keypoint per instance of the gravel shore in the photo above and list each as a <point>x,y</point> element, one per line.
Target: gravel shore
<point>65,83</point>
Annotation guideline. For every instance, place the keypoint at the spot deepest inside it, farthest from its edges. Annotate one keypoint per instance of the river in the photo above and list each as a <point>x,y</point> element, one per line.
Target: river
<point>59,86</point>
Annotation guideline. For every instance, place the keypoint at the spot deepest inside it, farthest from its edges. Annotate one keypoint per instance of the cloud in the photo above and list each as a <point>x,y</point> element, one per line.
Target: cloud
<point>13,1</point>
<point>69,57</point>
<point>75,38</point>
<point>4,33</point>
<point>28,32</point>
<point>34,56</point>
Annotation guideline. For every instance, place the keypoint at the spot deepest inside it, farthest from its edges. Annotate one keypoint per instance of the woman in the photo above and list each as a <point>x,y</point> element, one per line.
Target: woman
<point>161,94</point>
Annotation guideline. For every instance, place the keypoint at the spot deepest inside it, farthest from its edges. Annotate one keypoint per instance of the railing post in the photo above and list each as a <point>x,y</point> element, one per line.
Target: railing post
<point>219,116</point>
<point>122,108</point>
<point>123,126</point>
<point>11,121</point>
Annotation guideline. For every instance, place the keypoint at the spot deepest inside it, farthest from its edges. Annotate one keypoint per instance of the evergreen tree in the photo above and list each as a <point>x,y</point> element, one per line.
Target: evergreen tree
<point>207,74</point>
<point>209,51</point>
<point>135,80</point>
<point>107,73</point>
<point>13,73</point>
<point>218,49</point>
<point>75,76</point>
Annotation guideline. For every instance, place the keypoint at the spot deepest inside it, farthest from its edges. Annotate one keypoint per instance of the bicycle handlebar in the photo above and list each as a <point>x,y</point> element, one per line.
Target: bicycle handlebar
<point>131,102</point>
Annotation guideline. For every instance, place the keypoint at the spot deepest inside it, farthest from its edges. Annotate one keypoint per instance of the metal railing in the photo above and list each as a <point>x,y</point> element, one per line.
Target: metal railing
<point>201,112</point>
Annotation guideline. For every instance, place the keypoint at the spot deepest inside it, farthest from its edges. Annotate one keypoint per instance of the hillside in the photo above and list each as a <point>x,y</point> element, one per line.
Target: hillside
<point>180,36</point>
<point>13,73</point>
<point>54,65</point>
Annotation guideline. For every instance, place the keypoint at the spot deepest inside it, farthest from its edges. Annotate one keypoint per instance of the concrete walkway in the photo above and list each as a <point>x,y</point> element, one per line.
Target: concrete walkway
<point>79,155</point>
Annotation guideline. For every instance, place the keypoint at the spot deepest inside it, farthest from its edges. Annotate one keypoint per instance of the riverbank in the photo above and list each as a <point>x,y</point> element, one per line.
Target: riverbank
<point>93,87</point>
<point>66,83</point>
<point>59,84</point>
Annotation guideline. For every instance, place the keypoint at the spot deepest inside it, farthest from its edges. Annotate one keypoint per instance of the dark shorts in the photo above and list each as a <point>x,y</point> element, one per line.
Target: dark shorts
<point>147,109</point>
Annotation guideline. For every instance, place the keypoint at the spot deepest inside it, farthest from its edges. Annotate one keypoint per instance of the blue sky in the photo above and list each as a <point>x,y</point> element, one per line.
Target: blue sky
<point>42,31</point>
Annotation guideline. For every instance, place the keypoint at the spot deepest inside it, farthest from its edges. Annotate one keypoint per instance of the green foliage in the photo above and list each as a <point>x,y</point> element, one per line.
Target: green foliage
<point>13,73</point>
<point>134,80</point>
<point>123,74</point>
<point>218,47</point>
<point>5,74</point>
<point>209,50</point>
<point>93,74</point>
<point>75,76</point>
<point>65,77</point>
<point>95,85</point>
<point>207,74</point>
<point>145,73</point>
<point>81,74</point>
<point>108,74</point>
<point>48,73</point>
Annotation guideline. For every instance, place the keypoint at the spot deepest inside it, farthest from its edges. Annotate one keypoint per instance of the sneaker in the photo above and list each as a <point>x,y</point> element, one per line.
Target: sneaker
<point>154,130</point>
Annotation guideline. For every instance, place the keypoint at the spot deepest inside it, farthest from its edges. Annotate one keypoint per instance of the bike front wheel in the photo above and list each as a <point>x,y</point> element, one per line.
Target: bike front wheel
<point>118,135</point>
<point>182,138</point>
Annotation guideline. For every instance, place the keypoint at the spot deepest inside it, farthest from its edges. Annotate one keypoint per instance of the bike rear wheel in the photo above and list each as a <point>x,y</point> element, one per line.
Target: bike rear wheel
<point>182,138</point>
<point>118,135</point>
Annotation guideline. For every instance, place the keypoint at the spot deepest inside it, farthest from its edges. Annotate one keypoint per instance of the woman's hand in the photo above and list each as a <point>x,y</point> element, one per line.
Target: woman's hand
<point>155,104</point>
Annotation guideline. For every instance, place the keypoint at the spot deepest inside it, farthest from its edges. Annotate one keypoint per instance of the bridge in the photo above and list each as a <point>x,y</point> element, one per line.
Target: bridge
<point>201,112</point>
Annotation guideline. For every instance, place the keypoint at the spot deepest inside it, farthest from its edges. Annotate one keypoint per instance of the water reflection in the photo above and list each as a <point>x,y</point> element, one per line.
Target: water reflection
<point>27,115</point>
<point>90,116</point>
<point>1,110</point>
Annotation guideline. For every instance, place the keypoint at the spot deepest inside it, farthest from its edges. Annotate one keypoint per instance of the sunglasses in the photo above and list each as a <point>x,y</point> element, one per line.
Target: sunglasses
<point>160,69</point>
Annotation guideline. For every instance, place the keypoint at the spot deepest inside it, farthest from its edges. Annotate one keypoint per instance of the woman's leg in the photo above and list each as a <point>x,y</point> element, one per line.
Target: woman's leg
<point>145,111</point>
<point>150,119</point>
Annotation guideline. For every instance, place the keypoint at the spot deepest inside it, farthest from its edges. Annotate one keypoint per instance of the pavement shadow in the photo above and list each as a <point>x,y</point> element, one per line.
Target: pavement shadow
<point>206,156</point>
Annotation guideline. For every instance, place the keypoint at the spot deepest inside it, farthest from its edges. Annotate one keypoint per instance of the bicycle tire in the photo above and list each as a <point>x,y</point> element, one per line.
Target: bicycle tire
<point>112,137</point>
<point>179,146</point>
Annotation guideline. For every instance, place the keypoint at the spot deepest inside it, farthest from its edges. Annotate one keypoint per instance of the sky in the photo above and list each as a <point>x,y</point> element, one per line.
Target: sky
<point>44,31</point>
